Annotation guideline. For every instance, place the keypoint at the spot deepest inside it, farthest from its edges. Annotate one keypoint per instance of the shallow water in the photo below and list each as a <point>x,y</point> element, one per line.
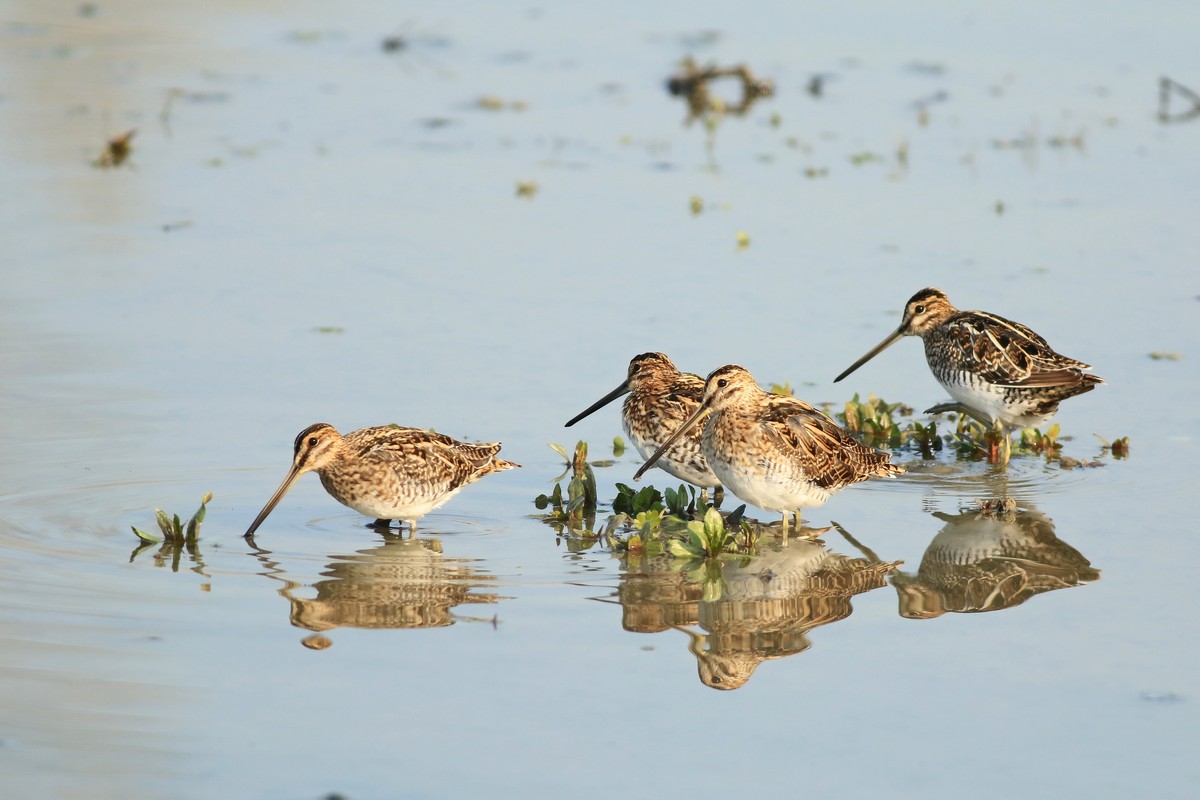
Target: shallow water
<point>311,228</point>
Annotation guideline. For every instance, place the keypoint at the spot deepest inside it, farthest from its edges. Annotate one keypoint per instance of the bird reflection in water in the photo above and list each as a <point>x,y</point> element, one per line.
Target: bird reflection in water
<point>749,610</point>
<point>986,560</point>
<point>404,583</point>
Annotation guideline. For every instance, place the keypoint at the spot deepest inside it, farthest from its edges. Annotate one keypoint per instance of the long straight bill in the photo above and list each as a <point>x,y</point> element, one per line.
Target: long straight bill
<point>599,404</point>
<point>274,501</point>
<point>684,428</point>
<point>876,350</point>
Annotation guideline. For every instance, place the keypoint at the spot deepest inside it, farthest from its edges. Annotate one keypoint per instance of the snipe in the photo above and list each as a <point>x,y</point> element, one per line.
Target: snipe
<point>661,399</point>
<point>773,451</point>
<point>998,371</point>
<point>387,472</point>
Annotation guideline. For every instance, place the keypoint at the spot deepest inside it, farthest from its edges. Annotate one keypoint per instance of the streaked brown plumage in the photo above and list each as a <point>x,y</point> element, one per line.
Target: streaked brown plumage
<point>773,451</point>
<point>387,472</point>
<point>990,560</point>
<point>405,583</point>
<point>996,369</point>
<point>661,398</point>
<point>764,610</point>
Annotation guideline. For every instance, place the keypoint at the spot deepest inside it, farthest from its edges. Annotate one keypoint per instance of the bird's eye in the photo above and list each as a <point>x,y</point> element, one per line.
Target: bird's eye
<point>312,441</point>
<point>722,383</point>
<point>919,309</point>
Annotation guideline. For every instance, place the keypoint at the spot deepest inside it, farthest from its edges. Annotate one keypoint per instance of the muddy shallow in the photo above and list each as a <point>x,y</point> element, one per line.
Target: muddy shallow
<point>313,228</point>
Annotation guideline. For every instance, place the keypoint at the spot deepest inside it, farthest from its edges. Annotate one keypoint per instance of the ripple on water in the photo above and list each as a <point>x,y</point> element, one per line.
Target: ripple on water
<point>1027,477</point>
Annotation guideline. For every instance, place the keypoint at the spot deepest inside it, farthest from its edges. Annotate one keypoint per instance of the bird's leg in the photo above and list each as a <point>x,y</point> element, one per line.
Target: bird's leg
<point>942,408</point>
<point>862,548</point>
<point>1005,443</point>
<point>1000,444</point>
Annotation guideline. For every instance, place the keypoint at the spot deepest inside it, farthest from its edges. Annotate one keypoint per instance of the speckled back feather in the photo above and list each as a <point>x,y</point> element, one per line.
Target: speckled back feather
<point>829,456</point>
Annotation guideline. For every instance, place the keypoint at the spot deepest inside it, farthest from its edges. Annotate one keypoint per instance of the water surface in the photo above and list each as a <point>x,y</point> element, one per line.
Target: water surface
<point>312,228</point>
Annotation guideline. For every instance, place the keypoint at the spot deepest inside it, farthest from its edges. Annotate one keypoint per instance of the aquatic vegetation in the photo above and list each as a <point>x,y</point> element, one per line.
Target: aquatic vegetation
<point>865,157</point>
<point>1118,447</point>
<point>875,421</point>
<point>649,521</point>
<point>881,424</point>
<point>693,82</point>
<point>116,151</point>
<point>925,438</point>
<point>493,103</point>
<point>580,503</point>
<point>1033,439</point>
<point>176,539</point>
<point>633,502</point>
<point>174,531</point>
<point>681,502</point>
<point>644,521</point>
<point>714,535</point>
<point>1066,462</point>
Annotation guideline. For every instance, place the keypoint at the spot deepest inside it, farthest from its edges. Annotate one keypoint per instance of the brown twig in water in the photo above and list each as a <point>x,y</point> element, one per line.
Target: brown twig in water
<point>1167,87</point>
<point>116,151</point>
<point>692,83</point>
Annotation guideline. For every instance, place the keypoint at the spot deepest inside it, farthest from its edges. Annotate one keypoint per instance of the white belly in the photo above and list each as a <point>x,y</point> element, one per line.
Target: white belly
<point>769,489</point>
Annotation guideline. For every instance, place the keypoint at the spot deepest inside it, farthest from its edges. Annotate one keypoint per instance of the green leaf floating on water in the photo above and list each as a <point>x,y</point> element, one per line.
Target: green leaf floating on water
<point>193,526</point>
<point>146,537</point>
<point>679,549</point>
<point>173,528</point>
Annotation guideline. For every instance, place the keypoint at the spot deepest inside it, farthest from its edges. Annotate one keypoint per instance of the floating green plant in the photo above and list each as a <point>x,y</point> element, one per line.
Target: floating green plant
<point>634,502</point>
<point>174,531</point>
<point>881,424</point>
<point>1034,439</point>
<point>711,536</point>
<point>875,421</point>
<point>637,544</point>
<point>679,502</point>
<point>1118,447</point>
<point>177,537</point>
<point>865,157</point>
<point>580,502</point>
<point>925,438</point>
